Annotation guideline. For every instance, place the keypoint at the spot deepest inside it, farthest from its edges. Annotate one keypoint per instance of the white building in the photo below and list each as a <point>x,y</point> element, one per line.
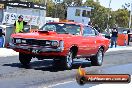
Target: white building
<point>79,14</point>
<point>12,10</point>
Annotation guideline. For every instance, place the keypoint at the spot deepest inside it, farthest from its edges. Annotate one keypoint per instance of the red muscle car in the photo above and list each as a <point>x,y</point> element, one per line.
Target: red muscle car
<point>62,42</point>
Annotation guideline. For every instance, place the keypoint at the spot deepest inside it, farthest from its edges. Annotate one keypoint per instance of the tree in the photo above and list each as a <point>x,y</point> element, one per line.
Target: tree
<point>50,9</point>
<point>62,10</point>
<point>112,20</point>
<point>126,6</point>
<point>99,13</point>
<point>72,2</point>
<point>122,17</point>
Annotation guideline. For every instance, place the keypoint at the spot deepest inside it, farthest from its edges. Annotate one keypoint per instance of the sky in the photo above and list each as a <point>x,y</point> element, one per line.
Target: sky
<point>115,4</point>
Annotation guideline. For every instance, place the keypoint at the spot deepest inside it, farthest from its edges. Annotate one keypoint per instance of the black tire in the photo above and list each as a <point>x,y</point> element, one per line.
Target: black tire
<point>24,59</point>
<point>65,62</point>
<point>97,60</point>
<point>57,63</point>
<point>68,60</point>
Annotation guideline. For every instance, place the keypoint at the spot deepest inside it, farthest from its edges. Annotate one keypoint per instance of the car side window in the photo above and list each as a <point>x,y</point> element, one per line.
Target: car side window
<point>88,31</point>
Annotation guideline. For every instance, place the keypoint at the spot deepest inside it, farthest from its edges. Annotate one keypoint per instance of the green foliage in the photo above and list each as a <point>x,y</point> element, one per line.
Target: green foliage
<point>122,17</point>
<point>99,13</point>
<point>50,9</point>
<point>72,2</point>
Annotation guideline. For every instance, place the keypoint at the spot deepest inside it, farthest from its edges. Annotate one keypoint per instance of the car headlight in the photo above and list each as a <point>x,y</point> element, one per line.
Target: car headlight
<point>61,43</point>
<point>55,43</point>
<point>48,42</point>
<point>23,41</point>
<point>18,41</point>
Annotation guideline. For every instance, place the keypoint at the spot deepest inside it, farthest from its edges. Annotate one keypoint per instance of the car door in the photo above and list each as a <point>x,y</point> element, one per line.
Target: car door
<point>99,40</point>
<point>89,41</point>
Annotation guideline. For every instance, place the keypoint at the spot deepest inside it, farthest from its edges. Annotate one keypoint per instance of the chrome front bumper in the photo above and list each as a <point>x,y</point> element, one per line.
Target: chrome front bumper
<point>35,49</point>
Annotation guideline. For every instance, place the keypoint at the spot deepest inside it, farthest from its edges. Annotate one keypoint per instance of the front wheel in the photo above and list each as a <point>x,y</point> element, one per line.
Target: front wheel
<point>24,59</point>
<point>68,60</point>
<point>97,60</point>
<point>64,62</point>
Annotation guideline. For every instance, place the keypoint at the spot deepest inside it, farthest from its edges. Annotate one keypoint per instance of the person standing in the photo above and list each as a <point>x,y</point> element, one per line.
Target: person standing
<point>90,24</point>
<point>97,28</point>
<point>1,38</point>
<point>128,37</point>
<point>114,37</point>
<point>19,24</point>
<point>107,33</point>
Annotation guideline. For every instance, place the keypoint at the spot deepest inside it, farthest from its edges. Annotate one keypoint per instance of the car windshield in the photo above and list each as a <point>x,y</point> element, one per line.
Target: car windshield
<point>62,28</point>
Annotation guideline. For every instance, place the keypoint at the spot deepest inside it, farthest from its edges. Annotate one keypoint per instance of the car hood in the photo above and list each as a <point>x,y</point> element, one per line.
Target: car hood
<point>42,35</point>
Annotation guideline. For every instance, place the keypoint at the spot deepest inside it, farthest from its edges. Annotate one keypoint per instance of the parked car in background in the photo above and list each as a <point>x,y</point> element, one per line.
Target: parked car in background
<point>62,42</point>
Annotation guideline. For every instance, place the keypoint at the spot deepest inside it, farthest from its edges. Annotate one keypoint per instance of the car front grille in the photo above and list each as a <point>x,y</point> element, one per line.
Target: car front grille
<point>34,42</point>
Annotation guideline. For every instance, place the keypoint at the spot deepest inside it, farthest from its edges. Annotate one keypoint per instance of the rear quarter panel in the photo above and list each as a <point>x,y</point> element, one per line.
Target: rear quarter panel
<point>101,41</point>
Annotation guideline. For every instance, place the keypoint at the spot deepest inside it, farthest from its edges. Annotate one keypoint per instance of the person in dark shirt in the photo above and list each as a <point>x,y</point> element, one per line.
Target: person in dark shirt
<point>90,24</point>
<point>1,33</point>
<point>97,28</point>
<point>128,37</point>
<point>114,37</point>
<point>1,38</point>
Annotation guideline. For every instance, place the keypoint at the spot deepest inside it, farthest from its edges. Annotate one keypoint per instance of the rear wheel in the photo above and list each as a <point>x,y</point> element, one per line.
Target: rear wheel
<point>24,59</point>
<point>97,60</point>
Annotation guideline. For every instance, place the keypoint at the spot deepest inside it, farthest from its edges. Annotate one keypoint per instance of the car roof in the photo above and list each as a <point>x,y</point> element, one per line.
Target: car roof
<point>66,23</point>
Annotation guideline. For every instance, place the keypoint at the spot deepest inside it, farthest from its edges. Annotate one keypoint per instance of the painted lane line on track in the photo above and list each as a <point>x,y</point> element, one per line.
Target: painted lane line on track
<point>58,84</point>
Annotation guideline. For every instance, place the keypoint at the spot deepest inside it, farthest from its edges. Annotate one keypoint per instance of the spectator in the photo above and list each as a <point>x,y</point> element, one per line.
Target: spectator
<point>114,37</point>
<point>19,24</point>
<point>97,28</point>
<point>90,24</point>
<point>1,38</point>
<point>107,33</point>
<point>128,37</point>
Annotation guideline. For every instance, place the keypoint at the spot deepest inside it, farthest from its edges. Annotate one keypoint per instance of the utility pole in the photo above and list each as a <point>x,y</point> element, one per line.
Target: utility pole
<point>45,2</point>
<point>130,18</point>
<point>108,15</point>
